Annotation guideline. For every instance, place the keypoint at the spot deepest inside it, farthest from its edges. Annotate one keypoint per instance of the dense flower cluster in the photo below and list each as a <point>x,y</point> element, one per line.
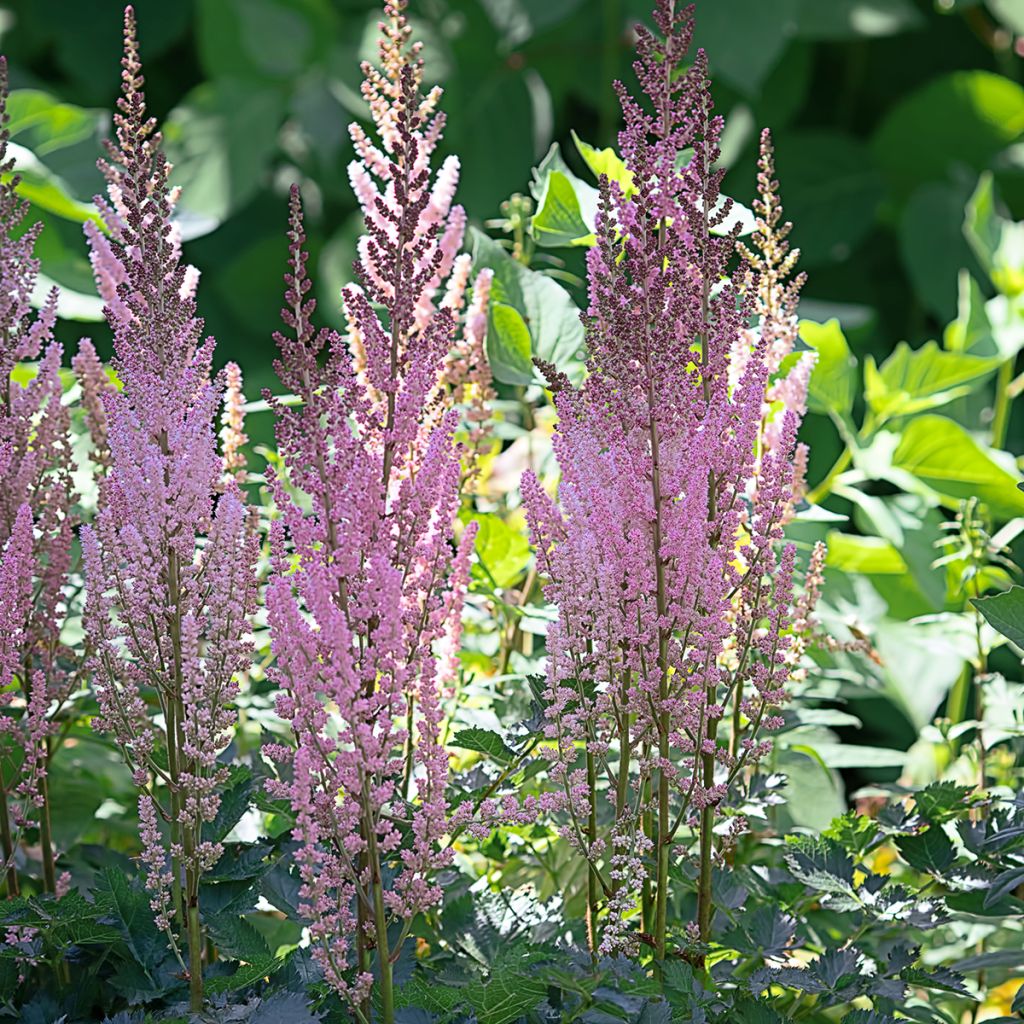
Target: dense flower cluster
<point>169,559</point>
<point>35,522</point>
<point>674,599</point>
<point>367,579</point>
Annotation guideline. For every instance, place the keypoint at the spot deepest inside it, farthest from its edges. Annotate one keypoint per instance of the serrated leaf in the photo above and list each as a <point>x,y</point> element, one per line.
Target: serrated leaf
<point>237,938</point>
<point>127,907</point>
<point>485,742</point>
<point>930,851</point>
<point>1005,613</point>
<point>1004,884</point>
<point>236,798</point>
<point>819,863</point>
<point>246,975</point>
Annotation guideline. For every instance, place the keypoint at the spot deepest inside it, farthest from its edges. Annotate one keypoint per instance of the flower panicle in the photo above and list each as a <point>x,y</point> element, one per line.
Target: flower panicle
<point>172,544</point>
<point>664,552</point>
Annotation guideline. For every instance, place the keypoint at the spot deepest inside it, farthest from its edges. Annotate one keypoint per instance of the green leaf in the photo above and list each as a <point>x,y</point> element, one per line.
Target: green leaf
<point>1004,884</point>
<point>832,190</point>
<point>983,111</point>
<point>236,798</point>
<point>607,162</point>
<point>485,742</point>
<point>745,56</point>
<point>932,244</point>
<point>503,551</point>
<point>853,755</point>
<point>127,907</point>
<point>834,377</point>
<point>869,1017</point>
<point>559,219</point>
<point>866,555</point>
<point>246,975</point>
<point>236,937</point>
<point>551,317</point>
<point>855,832</point>
<point>913,380</point>
<point>819,863</point>
<point>220,141</point>
<point>930,851</point>
<point>997,242</point>
<point>508,344</point>
<point>942,801</point>
<point>1005,613</point>
<point>856,19</point>
<point>264,39</point>
<point>40,186</point>
<point>942,455</point>
<point>566,206</point>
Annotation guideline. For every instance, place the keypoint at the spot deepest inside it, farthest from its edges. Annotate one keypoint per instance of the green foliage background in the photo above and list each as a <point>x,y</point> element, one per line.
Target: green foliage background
<point>884,113</point>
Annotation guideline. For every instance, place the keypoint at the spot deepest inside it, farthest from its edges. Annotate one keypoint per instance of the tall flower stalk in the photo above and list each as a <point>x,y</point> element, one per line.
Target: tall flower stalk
<point>367,578</point>
<point>675,602</point>
<point>36,526</point>
<point>169,559</point>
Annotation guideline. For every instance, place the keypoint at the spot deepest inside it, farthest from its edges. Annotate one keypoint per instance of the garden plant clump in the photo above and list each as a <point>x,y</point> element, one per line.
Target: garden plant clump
<point>512,674</point>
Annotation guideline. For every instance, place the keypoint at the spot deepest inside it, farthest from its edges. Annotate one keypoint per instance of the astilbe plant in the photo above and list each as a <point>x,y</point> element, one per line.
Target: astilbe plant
<point>36,499</point>
<point>675,601</point>
<point>368,582</point>
<point>170,556</point>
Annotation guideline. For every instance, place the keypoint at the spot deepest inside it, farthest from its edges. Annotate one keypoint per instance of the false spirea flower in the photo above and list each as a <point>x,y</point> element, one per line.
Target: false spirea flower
<point>36,495</point>
<point>367,577</point>
<point>662,550</point>
<point>169,558</point>
<point>408,209</point>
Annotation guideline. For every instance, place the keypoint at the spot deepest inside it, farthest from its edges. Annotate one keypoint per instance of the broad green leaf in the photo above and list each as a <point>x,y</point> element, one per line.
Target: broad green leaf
<point>819,863</point>
<point>921,661</point>
<point>263,39</point>
<point>834,377</point>
<point>913,380</point>
<point>246,975</point>
<point>545,307</point>
<point>856,19</point>
<point>852,755</point>
<point>983,111</point>
<point>483,741</point>
<point>941,454</point>
<point>235,800</point>
<point>745,38</point>
<point>504,552</point>
<point>1005,613</point>
<point>508,344</point>
<point>566,206</point>
<point>236,937</point>
<point>40,186</point>
<point>605,161</point>
<point>126,906</point>
<point>932,244</point>
<point>971,331</point>
<point>220,141</point>
<point>997,242</point>
<point>942,801</point>
<point>832,190</point>
<point>866,555</point>
<point>559,221</point>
